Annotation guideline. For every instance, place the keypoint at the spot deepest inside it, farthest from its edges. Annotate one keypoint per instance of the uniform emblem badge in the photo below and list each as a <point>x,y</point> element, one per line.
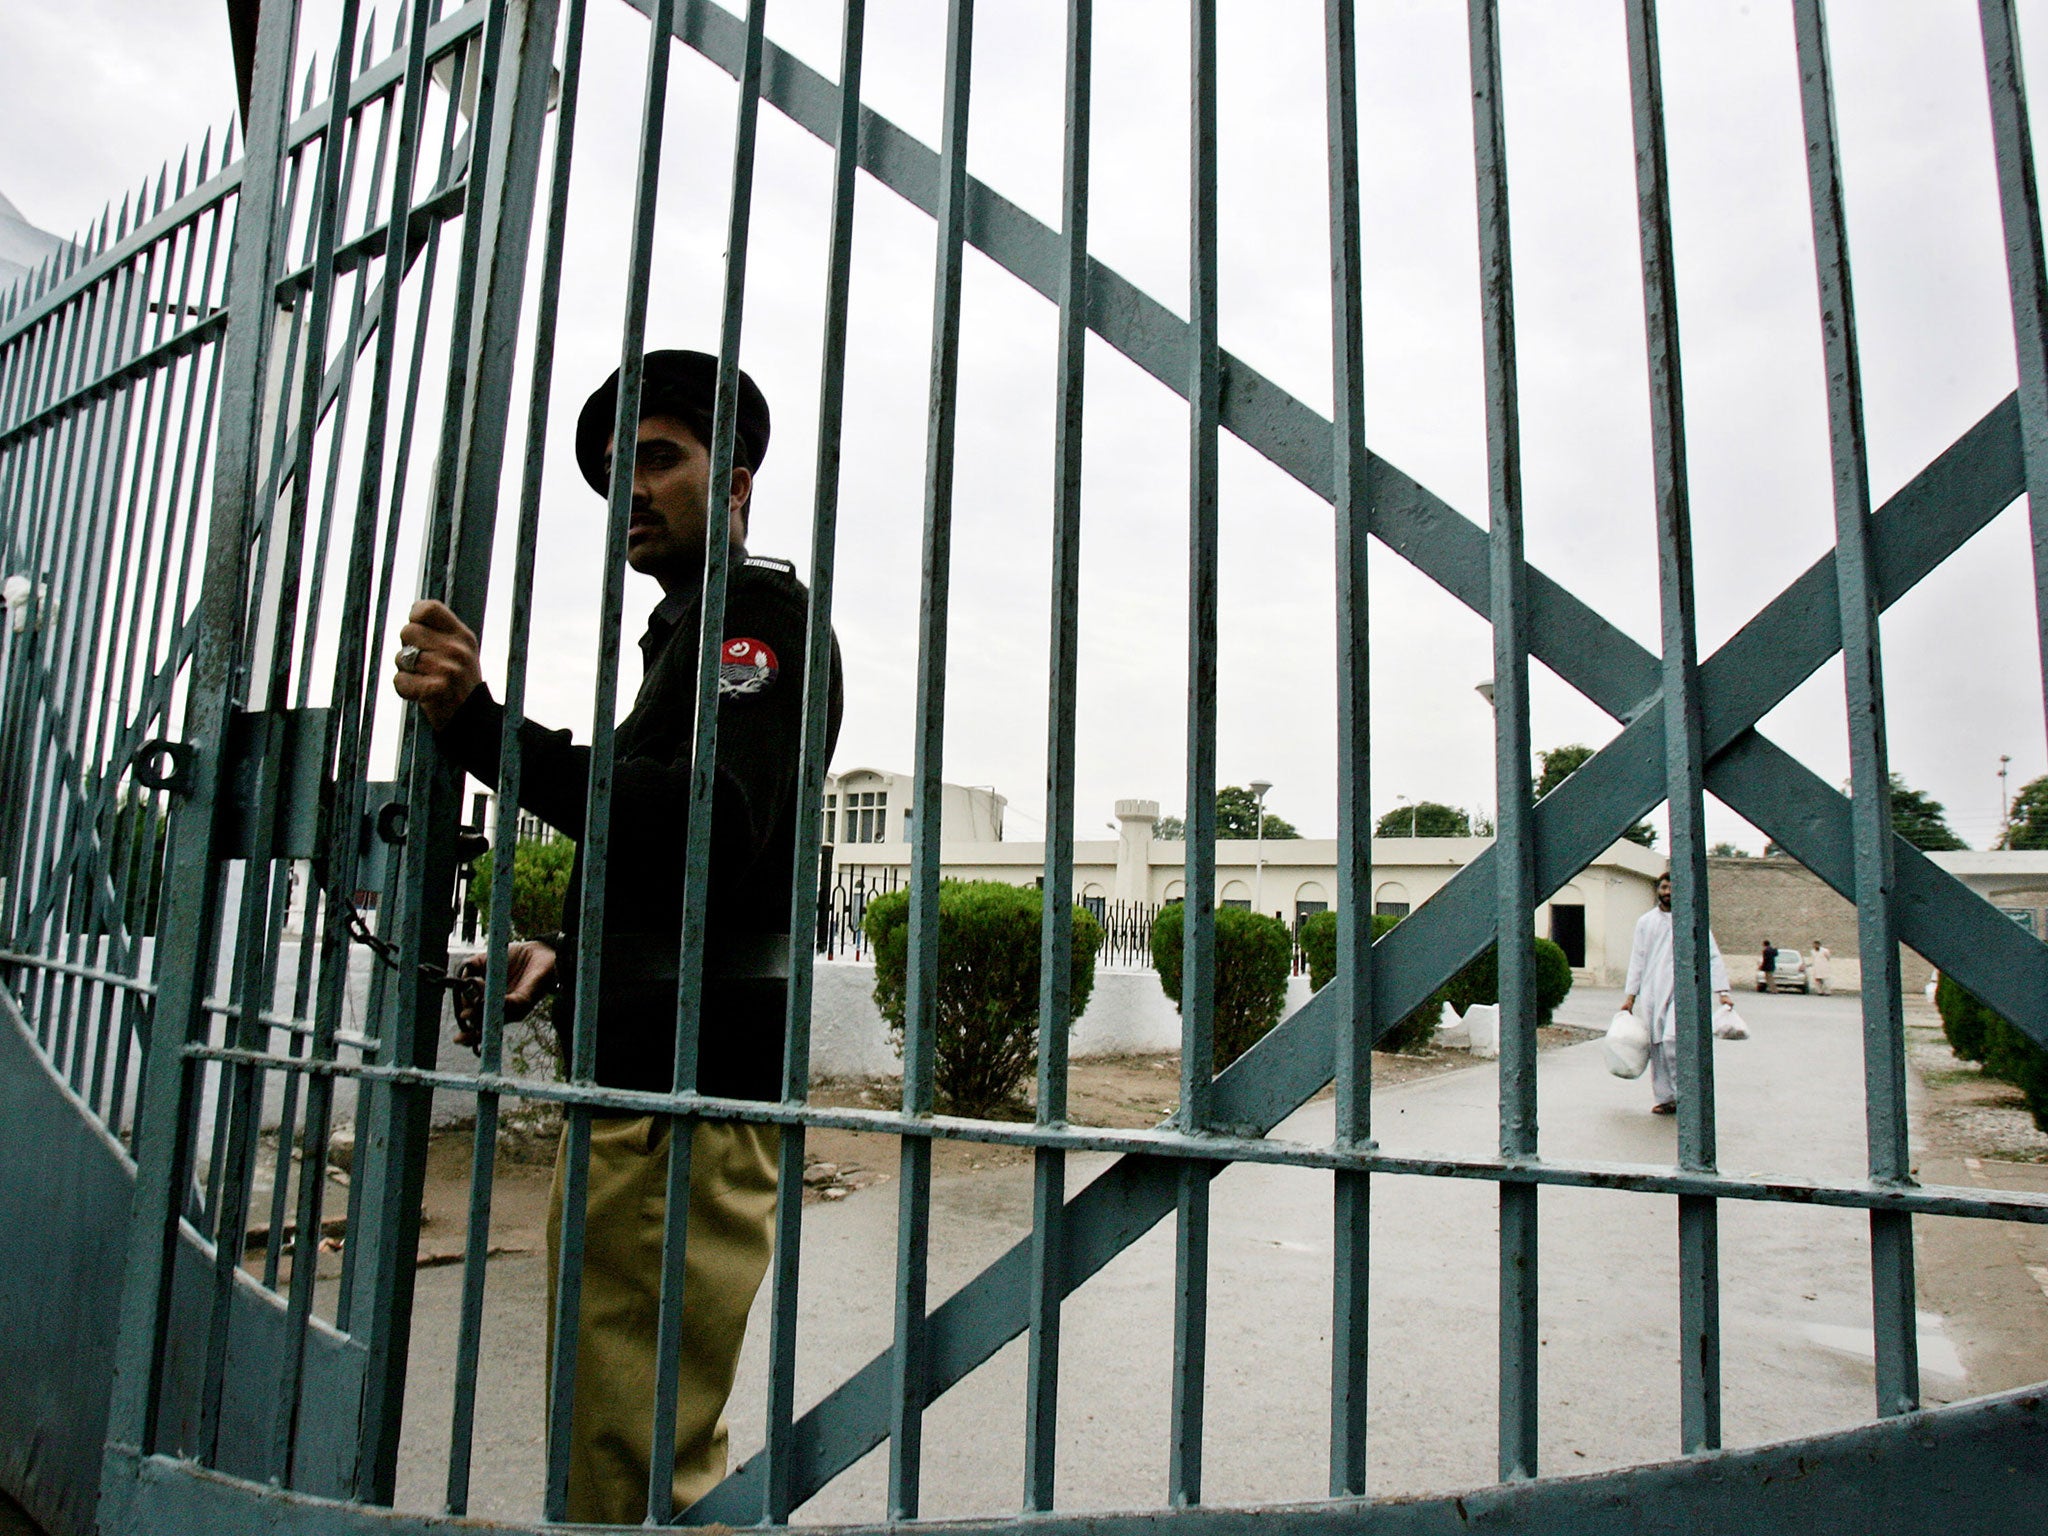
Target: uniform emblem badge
<point>746,666</point>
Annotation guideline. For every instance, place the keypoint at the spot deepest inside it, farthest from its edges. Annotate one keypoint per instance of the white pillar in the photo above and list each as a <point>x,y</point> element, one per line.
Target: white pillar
<point>1134,849</point>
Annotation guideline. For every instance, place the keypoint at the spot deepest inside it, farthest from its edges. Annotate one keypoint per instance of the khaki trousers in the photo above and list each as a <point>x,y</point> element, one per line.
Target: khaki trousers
<point>732,1213</point>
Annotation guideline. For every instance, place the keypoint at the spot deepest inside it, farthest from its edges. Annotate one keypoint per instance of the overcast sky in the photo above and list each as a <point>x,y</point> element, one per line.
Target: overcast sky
<point>97,94</point>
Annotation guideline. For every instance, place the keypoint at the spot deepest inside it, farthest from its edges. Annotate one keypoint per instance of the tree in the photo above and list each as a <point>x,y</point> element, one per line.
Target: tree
<point>540,881</point>
<point>989,948</point>
<point>1560,763</point>
<point>1425,818</point>
<point>1253,956</point>
<point>1727,851</point>
<point>1318,939</point>
<point>1477,982</point>
<point>2027,826</point>
<point>1237,820</point>
<point>1920,820</point>
<point>1980,1034</point>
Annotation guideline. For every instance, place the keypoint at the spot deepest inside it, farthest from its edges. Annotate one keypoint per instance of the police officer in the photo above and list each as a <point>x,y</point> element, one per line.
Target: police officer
<point>753,868</point>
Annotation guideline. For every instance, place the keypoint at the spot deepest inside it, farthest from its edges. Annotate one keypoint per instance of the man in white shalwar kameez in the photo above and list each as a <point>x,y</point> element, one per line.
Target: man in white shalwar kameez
<point>1651,981</point>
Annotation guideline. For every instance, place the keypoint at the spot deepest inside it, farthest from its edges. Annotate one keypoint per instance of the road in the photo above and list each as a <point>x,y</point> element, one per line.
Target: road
<point>1795,1304</point>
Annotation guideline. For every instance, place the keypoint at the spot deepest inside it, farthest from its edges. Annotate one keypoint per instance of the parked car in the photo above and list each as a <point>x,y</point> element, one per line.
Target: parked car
<point>1787,974</point>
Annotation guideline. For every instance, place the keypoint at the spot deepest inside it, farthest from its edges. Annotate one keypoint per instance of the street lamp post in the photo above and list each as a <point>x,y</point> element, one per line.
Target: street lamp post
<point>1259,788</point>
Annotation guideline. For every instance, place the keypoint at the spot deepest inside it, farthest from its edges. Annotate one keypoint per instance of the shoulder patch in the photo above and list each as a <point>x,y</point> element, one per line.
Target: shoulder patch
<point>770,563</point>
<point>746,666</point>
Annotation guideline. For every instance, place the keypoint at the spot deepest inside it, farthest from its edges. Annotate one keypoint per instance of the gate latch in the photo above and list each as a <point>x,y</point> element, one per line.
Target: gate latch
<point>165,765</point>
<point>292,743</point>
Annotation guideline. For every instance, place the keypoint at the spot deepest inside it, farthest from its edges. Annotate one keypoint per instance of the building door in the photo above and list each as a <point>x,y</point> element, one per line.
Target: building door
<point>1568,930</point>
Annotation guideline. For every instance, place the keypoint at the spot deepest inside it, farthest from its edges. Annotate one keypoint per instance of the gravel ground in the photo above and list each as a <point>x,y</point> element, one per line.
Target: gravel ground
<point>1964,1109</point>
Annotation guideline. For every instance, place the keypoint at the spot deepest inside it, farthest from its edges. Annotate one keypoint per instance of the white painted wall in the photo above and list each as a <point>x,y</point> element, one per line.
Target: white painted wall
<point>1128,1013</point>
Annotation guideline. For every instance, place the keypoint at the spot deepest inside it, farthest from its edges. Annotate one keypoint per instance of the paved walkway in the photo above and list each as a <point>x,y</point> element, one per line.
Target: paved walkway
<point>1795,1304</point>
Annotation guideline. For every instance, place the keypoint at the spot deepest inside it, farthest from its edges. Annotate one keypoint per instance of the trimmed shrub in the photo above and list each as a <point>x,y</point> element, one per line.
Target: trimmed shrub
<point>1319,942</point>
<point>987,1039</point>
<point>1963,1019</point>
<point>2024,1064</point>
<point>1254,954</point>
<point>540,881</point>
<point>1478,982</point>
<point>1981,1034</point>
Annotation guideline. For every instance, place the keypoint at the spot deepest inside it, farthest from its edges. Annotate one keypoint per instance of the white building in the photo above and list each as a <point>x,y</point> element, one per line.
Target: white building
<point>1592,918</point>
<point>871,805</point>
<point>23,247</point>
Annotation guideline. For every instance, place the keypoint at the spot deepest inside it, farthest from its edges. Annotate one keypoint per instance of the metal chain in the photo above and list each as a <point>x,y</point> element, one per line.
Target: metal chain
<point>384,949</point>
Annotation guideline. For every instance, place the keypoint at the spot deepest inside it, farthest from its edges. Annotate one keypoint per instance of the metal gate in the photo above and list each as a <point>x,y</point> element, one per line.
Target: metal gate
<point>310,356</point>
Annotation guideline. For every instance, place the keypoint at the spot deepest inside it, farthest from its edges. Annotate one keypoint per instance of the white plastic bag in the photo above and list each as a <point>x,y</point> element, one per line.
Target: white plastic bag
<point>1728,1023</point>
<point>1627,1045</point>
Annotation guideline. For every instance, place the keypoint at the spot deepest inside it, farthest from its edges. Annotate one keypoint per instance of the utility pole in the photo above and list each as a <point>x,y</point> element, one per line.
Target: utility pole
<point>1259,788</point>
<point>2004,804</point>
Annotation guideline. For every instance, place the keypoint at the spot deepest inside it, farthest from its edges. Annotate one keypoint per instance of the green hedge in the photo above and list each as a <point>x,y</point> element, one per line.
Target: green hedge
<point>1980,1034</point>
<point>1478,982</point>
<point>1254,954</point>
<point>987,1041</point>
<point>540,881</point>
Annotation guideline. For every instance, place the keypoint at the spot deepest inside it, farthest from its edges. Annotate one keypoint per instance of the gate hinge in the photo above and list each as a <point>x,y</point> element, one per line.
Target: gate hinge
<point>294,742</point>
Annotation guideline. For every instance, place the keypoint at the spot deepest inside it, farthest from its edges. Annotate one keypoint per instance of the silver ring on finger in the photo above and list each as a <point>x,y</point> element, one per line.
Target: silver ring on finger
<point>408,659</point>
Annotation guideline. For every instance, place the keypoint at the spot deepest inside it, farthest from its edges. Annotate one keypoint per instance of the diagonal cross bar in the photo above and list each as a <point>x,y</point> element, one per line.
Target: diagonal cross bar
<point>1973,480</point>
<point>1934,514</point>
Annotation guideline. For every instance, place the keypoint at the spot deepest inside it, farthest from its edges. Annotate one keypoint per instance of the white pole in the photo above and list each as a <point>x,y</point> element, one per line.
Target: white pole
<point>1259,788</point>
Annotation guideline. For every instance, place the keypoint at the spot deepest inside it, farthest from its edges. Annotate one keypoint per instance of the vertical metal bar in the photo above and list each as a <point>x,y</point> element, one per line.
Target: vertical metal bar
<point>506,832</point>
<point>780,1449</point>
<point>374,1297</point>
<point>1198,913</point>
<point>351,729</point>
<point>596,843</point>
<point>22,746</point>
<point>913,1218</point>
<point>2019,201</point>
<point>515,61</point>
<point>87,782</point>
<point>160,522</point>
<point>1884,1039</point>
<point>704,750</point>
<point>65,818</point>
<point>256,936</point>
<point>1699,1305</point>
<point>1515,846</point>
<point>186,938</point>
<point>157,707</point>
<point>1351,497</point>
<point>276,626</point>
<point>25,745</point>
<point>340,391</point>
<point>108,800</point>
<point>1055,979</point>
<point>30,475</point>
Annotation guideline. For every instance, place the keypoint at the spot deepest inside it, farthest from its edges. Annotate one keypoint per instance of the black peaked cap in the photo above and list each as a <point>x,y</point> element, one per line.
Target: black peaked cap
<point>672,383</point>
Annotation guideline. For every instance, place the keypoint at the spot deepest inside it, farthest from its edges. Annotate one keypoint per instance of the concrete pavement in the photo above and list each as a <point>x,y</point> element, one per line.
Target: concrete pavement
<point>1795,1304</point>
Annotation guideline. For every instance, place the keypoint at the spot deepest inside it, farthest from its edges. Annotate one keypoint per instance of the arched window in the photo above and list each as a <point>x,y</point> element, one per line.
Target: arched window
<point>1309,899</point>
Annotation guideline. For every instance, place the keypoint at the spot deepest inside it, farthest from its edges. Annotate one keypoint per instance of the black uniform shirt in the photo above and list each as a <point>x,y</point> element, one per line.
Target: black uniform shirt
<point>753,833</point>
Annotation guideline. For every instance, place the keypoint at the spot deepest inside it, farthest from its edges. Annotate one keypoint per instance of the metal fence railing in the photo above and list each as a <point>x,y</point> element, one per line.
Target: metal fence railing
<point>238,418</point>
